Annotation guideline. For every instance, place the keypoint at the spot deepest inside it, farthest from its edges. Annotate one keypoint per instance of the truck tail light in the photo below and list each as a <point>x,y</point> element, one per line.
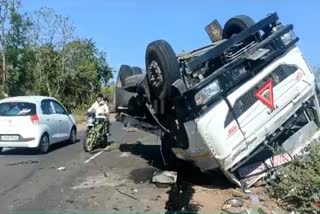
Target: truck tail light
<point>34,119</point>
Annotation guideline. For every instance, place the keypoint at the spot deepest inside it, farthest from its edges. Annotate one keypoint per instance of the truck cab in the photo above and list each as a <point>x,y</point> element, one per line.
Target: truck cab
<point>244,104</point>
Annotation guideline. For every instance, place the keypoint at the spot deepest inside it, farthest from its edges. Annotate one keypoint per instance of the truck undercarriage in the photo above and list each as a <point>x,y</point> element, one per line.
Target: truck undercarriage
<point>244,104</point>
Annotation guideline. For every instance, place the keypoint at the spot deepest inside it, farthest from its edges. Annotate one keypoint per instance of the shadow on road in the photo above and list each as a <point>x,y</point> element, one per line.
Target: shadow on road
<point>33,151</point>
<point>151,153</point>
<point>180,194</point>
<point>187,172</point>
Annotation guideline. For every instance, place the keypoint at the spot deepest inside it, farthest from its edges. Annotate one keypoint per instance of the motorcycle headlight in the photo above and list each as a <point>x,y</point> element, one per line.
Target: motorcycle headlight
<point>206,93</point>
<point>288,37</point>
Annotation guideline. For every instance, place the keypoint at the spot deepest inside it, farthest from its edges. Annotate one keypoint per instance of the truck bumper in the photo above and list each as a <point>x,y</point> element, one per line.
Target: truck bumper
<point>296,145</point>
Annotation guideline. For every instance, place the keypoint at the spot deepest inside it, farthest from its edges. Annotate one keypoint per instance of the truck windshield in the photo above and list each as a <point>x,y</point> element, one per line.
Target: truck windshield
<point>17,109</point>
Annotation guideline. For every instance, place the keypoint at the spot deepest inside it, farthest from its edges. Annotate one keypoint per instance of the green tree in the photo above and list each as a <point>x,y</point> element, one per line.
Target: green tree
<point>40,55</point>
<point>18,53</point>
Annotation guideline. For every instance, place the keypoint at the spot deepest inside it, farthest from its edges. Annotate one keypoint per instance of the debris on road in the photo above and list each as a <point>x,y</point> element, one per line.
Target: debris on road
<point>239,194</point>
<point>247,191</point>
<point>101,168</point>
<point>165,177</point>
<point>111,147</point>
<point>234,205</point>
<point>254,199</point>
<point>234,202</point>
<point>123,193</point>
<point>23,162</point>
<point>125,154</point>
<point>127,129</point>
<point>61,168</point>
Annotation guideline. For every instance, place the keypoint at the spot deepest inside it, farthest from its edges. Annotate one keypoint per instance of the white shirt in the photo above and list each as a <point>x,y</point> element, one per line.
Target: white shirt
<point>99,108</point>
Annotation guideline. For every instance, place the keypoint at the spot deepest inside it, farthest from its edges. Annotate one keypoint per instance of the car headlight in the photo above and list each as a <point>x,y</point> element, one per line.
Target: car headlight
<point>206,93</point>
<point>288,37</point>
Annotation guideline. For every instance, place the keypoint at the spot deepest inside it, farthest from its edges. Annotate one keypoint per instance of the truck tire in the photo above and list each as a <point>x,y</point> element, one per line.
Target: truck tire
<point>133,82</point>
<point>136,70</point>
<point>121,96</point>
<point>124,72</point>
<point>162,68</point>
<point>237,24</point>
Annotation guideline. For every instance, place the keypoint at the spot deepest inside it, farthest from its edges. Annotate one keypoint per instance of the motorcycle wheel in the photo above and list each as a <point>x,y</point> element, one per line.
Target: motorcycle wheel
<point>90,142</point>
<point>104,141</point>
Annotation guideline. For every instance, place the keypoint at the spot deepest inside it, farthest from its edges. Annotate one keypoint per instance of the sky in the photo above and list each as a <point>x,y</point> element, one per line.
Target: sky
<point>124,28</point>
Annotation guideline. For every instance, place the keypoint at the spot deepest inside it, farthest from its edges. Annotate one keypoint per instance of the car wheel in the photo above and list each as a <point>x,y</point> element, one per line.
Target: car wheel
<point>1,148</point>
<point>162,68</point>
<point>73,136</point>
<point>44,144</point>
<point>237,24</point>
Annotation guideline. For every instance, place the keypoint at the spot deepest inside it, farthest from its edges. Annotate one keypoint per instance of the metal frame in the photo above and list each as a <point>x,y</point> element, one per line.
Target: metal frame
<point>273,43</point>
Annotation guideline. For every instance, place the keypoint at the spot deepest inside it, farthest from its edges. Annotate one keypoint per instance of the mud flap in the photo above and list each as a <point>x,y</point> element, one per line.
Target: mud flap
<point>293,146</point>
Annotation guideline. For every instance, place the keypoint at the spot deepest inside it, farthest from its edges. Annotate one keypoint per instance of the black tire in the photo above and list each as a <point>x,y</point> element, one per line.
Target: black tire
<point>121,96</point>
<point>161,57</point>
<point>1,148</point>
<point>73,136</point>
<point>44,145</point>
<point>133,82</point>
<point>237,24</point>
<point>124,72</point>
<point>136,70</point>
<point>105,142</point>
<point>89,144</point>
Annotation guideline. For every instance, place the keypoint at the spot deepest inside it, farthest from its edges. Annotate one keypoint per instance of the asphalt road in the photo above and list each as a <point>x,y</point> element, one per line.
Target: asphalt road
<point>116,181</point>
<point>30,182</point>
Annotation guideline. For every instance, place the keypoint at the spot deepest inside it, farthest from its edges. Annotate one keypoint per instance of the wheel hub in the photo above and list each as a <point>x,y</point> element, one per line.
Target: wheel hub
<point>45,144</point>
<point>155,75</point>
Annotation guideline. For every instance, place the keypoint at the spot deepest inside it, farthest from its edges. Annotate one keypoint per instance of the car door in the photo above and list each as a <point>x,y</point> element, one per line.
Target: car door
<point>48,118</point>
<point>63,120</point>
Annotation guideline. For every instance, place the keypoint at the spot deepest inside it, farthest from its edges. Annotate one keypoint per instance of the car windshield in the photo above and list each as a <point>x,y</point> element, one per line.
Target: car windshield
<point>17,109</point>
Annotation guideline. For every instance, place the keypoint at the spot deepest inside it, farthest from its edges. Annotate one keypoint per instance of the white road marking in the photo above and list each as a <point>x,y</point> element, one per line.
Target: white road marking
<point>93,157</point>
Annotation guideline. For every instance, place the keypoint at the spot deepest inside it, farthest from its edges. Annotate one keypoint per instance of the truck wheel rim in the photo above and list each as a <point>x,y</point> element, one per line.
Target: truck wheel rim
<point>155,75</point>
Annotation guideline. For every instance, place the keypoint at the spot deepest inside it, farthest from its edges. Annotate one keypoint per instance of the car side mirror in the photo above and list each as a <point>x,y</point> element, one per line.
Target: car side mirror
<point>69,113</point>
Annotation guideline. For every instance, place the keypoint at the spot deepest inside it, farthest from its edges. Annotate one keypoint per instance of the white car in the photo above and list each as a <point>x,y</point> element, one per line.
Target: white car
<point>35,122</point>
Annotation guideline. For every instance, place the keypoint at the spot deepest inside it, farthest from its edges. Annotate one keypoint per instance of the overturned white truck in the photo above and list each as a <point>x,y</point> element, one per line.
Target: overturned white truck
<point>244,104</point>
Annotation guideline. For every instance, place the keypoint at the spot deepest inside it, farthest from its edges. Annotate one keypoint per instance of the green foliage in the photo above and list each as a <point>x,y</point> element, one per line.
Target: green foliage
<point>108,91</point>
<point>297,184</point>
<point>43,56</point>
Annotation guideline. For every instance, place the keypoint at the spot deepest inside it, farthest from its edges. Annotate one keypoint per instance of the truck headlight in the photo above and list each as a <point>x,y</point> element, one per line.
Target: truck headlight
<point>206,93</point>
<point>288,37</point>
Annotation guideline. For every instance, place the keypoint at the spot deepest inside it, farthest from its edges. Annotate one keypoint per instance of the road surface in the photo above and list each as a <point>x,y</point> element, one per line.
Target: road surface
<point>105,182</point>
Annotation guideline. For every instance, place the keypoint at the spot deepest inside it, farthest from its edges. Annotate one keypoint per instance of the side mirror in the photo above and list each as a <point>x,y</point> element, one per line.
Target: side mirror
<point>69,112</point>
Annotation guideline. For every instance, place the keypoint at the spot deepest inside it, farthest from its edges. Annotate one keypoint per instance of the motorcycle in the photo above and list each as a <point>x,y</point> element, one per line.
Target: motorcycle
<point>97,132</point>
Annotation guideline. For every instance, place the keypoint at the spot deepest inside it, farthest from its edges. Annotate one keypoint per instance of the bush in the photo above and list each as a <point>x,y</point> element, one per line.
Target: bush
<point>109,92</point>
<point>297,185</point>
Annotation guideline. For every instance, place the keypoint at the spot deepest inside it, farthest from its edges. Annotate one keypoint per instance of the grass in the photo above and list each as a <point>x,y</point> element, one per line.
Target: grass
<point>80,115</point>
<point>297,185</point>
